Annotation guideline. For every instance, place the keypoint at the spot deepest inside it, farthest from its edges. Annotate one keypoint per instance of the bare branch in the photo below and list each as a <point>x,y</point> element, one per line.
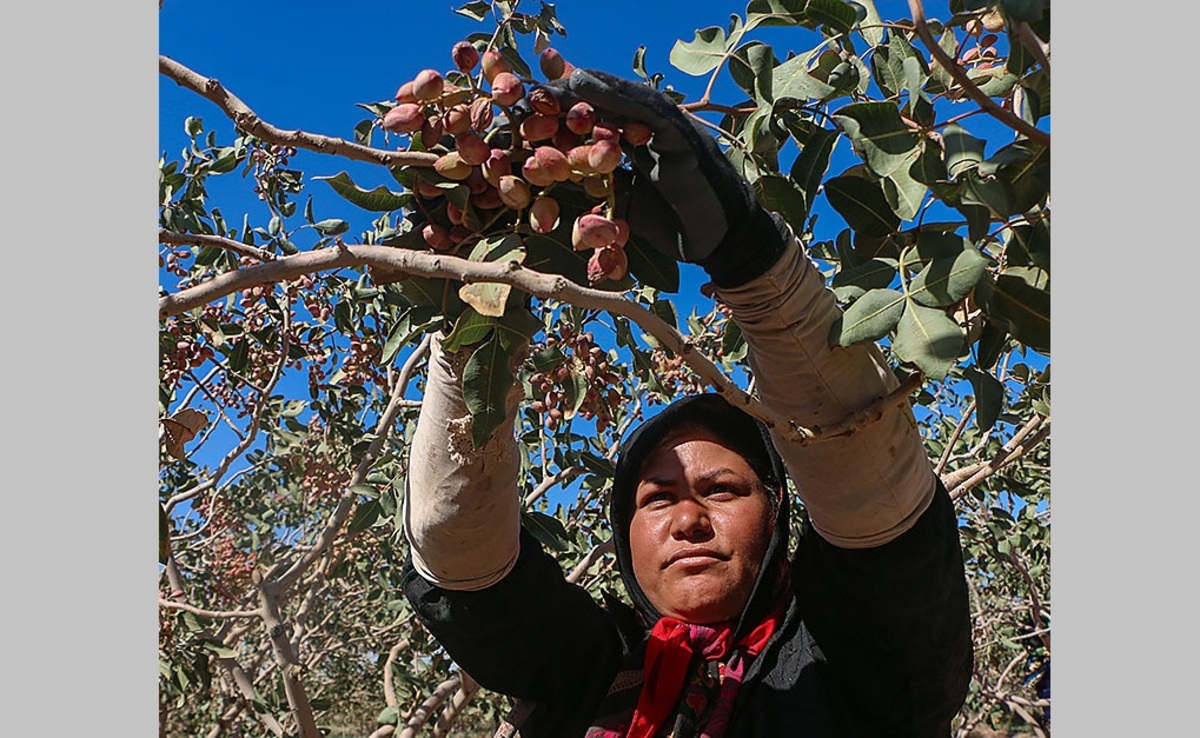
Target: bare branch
<point>425,710</point>
<point>1011,451</point>
<point>1007,117</point>
<point>454,710</point>
<point>346,503</point>
<point>958,429</point>
<point>247,120</point>
<point>1030,40</point>
<point>200,239</point>
<point>389,686</point>
<point>540,285</point>
<point>211,614</point>
<point>592,557</point>
<point>562,477</point>
<point>289,665</point>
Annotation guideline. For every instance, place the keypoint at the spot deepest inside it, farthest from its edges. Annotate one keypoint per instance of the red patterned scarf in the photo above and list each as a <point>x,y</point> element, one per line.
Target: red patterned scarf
<point>691,675</point>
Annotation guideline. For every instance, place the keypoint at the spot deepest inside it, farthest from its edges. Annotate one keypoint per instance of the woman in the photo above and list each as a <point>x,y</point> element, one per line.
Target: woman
<point>864,631</point>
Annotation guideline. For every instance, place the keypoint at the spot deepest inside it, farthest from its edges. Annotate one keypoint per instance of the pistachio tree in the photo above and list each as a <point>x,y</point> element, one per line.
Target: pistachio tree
<point>911,157</point>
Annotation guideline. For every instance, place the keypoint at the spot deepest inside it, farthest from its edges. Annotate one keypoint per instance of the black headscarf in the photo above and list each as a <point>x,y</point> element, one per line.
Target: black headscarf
<point>741,433</point>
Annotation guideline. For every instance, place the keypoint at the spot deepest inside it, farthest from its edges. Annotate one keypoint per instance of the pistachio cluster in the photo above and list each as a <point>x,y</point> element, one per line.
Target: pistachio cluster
<point>513,169</point>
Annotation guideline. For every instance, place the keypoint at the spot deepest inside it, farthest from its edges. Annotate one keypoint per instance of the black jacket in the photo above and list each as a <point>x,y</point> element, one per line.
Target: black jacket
<point>876,642</point>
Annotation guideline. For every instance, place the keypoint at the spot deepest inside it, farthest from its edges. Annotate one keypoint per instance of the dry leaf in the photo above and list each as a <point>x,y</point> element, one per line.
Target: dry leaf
<point>487,298</point>
<point>181,428</point>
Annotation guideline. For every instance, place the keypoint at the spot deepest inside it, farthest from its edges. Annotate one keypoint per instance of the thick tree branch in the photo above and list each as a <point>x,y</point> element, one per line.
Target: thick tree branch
<point>426,709</point>
<point>247,120</point>
<point>454,709</point>
<point>289,665</point>
<point>535,283</point>
<point>1007,117</point>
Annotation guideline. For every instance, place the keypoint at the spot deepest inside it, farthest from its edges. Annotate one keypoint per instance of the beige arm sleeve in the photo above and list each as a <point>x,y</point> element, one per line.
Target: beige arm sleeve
<point>862,490</point>
<point>462,507</point>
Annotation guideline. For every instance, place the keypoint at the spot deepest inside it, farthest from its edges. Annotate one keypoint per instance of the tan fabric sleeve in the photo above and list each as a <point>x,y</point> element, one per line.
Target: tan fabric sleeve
<point>462,507</point>
<point>862,490</point>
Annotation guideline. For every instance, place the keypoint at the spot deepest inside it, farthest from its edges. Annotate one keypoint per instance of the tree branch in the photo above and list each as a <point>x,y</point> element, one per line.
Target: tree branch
<point>1007,117</point>
<point>211,614</point>
<point>346,503</point>
<point>200,239</point>
<point>425,710</point>
<point>247,120</point>
<point>1011,451</point>
<point>535,283</point>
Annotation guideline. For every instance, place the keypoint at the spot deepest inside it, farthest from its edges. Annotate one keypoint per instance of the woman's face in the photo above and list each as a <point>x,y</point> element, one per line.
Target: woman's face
<point>700,528</point>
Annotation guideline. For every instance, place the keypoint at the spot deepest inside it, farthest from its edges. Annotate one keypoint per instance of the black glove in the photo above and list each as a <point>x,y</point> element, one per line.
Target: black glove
<point>685,198</point>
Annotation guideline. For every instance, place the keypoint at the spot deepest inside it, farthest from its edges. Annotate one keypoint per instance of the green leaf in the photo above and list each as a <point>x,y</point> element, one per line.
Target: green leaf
<point>364,516</point>
<point>332,226</point>
<point>963,151</point>
<point>1027,309</point>
<point>904,194</point>
<point>470,328</point>
<point>928,338</point>
<point>751,66</point>
<point>547,529</point>
<point>863,204</point>
<point>869,318</point>
<point>836,16</point>
<point>857,280</point>
<point>989,397</point>
<point>639,62</point>
<point>776,13</point>
<point>779,194</point>
<point>391,715</point>
<point>813,161</point>
<point>380,199</point>
<point>239,355</point>
<point>791,79</point>
<point>878,135</point>
<point>702,54</point>
<point>650,267</point>
<point>946,281</point>
<point>487,378</point>
<point>1023,169</point>
<point>574,392</point>
<point>871,25</point>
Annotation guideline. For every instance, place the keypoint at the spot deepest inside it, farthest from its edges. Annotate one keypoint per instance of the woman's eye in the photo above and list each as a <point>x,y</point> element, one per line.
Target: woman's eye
<point>654,498</point>
<point>721,491</point>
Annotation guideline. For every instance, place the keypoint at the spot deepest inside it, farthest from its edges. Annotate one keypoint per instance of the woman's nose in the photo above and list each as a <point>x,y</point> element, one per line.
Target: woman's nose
<point>691,521</point>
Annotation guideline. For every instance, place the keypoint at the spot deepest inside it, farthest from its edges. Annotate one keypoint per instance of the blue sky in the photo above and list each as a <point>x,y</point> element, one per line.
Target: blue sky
<point>306,66</point>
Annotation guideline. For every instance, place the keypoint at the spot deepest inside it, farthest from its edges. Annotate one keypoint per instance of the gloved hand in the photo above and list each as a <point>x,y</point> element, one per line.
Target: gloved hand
<point>685,199</point>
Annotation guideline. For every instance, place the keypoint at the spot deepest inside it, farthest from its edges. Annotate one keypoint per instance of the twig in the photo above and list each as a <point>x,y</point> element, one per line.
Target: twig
<point>346,503</point>
<point>535,283</point>
<point>389,686</point>
<point>1006,117</point>
<point>562,477</point>
<point>255,420</point>
<point>211,614</point>
<point>1030,40</point>
<point>247,120</point>
<point>1011,451</point>
<point>592,557</point>
<point>962,424</point>
<point>200,239</point>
